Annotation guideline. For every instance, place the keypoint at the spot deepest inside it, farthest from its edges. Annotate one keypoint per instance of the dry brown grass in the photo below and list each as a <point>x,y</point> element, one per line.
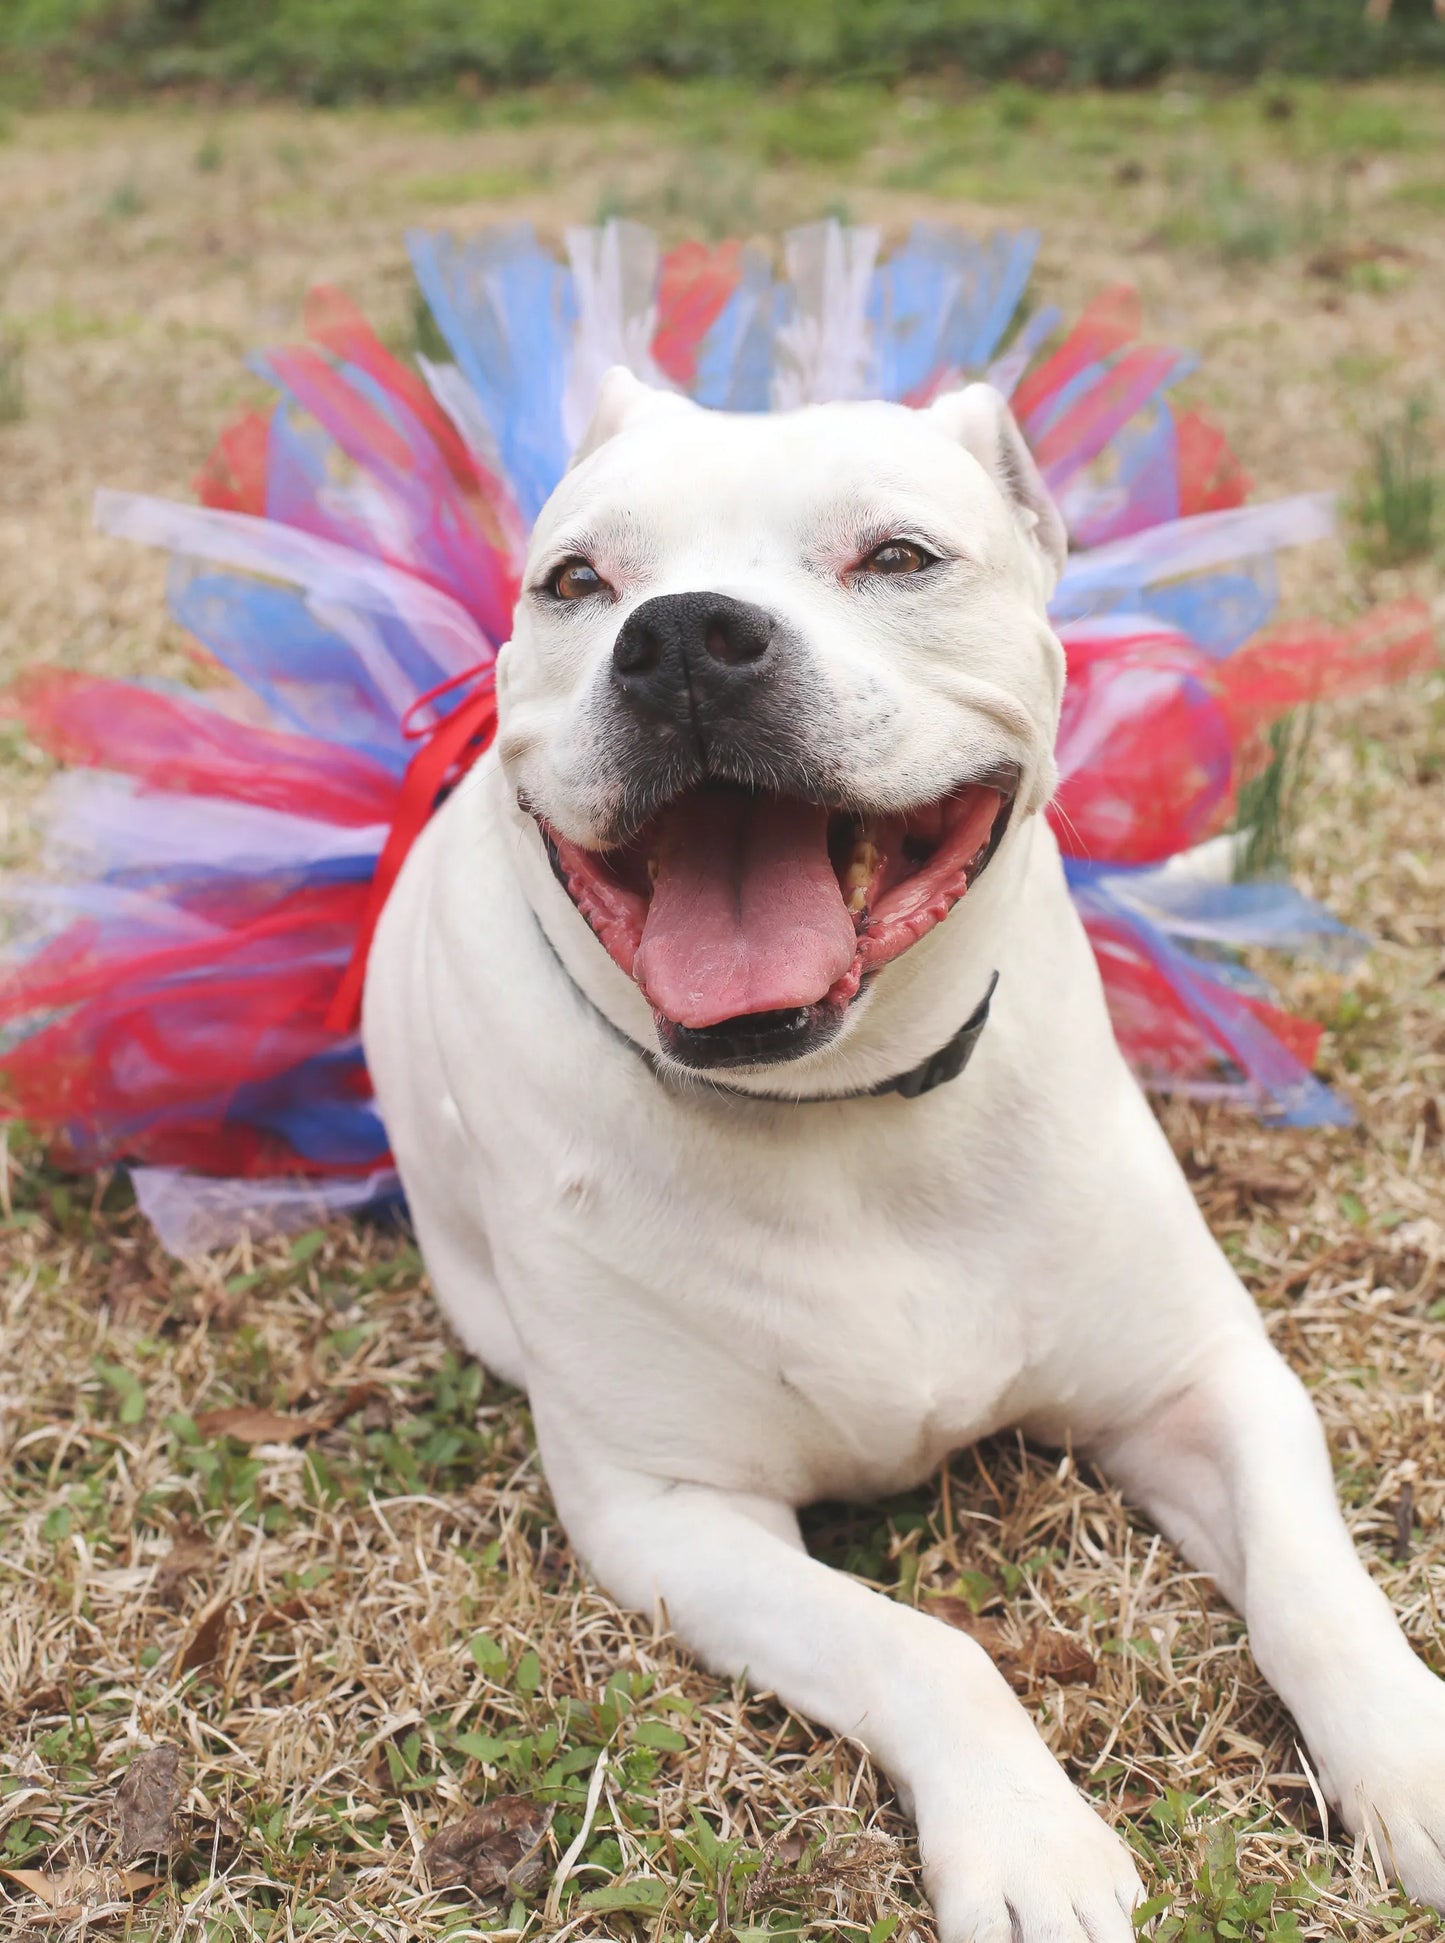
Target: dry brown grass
<point>331,1586</point>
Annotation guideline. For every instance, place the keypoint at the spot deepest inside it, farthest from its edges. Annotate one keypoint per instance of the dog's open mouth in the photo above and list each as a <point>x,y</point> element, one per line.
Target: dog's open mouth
<point>750,920</point>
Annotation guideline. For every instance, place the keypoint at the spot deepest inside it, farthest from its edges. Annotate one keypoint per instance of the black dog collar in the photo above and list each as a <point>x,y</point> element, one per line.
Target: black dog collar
<point>939,1067</point>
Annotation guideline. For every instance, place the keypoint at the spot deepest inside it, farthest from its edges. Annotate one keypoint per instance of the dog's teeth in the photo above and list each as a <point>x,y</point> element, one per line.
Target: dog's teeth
<point>859,875</point>
<point>653,867</point>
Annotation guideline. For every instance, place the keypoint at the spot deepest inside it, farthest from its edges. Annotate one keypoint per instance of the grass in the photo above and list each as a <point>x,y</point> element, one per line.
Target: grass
<point>367,1625</point>
<point>1227,213</point>
<point>1399,502</point>
<point>1269,807</point>
<point>125,200</point>
<point>12,377</point>
<point>353,1633</point>
<point>330,50</point>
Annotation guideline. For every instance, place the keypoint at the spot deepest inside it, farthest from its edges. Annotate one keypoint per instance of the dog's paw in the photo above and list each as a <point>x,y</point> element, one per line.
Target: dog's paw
<point>1391,1784</point>
<point>1399,1801</point>
<point>1014,1862</point>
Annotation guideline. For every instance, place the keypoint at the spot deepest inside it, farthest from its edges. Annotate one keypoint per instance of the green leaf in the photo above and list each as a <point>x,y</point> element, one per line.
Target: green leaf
<point>1146,1912</point>
<point>573,1762</point>
<point>644,1894</point>
<point>977,1588</point>
<point>529,1673</point>
<point>657,1734</point>
<point>128,1390</point>
<point>487,1654</point>
<point>707,1836</point>
<point>481,1747</point>
<point>1353,1209</point>
<point>883,1929</point>
<point>307,1245</point>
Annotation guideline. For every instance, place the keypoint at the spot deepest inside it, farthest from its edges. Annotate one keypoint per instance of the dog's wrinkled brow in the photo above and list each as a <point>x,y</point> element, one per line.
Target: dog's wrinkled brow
<point>618,547</point>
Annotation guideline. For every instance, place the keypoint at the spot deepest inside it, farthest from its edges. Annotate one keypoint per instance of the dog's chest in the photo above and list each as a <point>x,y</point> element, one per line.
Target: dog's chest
<point>830,1315</point>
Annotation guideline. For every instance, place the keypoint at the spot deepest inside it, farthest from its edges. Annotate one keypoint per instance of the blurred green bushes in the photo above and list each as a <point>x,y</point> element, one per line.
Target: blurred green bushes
<point>336,50</point>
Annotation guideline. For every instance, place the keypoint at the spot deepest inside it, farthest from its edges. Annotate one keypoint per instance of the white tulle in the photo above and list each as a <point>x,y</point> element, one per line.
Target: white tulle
<point>1199,543</point>
<point>195,1213</point>
<point>99,822</point>
<point>332,574</point>
<point>823,347</point>
<point>614,277</point>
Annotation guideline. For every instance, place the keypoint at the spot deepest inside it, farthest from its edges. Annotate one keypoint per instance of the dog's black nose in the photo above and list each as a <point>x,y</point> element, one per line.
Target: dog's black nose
<point>681,655</point>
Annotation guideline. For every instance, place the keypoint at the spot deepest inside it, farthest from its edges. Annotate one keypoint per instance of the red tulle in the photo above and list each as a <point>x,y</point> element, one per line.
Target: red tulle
<point>183,746</point>
<point>1145,750</point>
<point>177,1030</point>
<point>1110,322</point>
<point>87,958</point>
<point>334,322</point>
<point>1301,662</point>
<point>1156,737</point>
<point>692,293</point>
<point>1156,1030</point>
<point>1301,1037</point>
<point>1081,432</point>
<point>233,478</point>
<point>1211,478</point>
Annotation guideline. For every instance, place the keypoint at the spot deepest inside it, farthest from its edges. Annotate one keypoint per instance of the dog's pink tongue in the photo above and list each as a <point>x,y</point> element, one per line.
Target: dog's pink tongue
<point>746,912</point>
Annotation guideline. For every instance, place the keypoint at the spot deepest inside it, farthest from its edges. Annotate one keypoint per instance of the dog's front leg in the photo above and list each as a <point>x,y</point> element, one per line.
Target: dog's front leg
<point>1234,1467</point>
<point>1011,1853</point>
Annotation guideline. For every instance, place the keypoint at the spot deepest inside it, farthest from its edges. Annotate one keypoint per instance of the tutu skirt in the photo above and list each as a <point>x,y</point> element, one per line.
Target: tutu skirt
<point>179,986</point>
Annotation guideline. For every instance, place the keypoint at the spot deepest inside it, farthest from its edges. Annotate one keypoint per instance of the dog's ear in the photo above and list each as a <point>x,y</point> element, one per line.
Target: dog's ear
<point>622,400</point>
<point>979,418</point>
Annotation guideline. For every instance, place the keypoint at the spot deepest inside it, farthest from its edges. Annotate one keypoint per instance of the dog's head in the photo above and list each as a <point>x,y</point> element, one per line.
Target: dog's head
<point>778,685</point>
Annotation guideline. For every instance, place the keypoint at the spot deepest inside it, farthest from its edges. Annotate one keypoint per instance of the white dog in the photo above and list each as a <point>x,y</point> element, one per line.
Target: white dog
<point>715,1147</point>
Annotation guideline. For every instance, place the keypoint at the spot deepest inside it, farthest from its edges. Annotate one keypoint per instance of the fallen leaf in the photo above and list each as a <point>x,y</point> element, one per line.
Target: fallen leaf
<point>221,1834</point>
<point>857,1861</point>
<point>249,1424</point>
<point>208,1641</point>
<point>495,1849</point>
<point>1024,1655</point>
<point>1270,1185</point>
<point>146,1800</point>
<point>336,1409</point>
<point>190,1552</point>
<point>286,1614</point>
<point>1337,260</point>
<point>44,1700</point>
<point>789,1847</point>
<point>73,1895</point>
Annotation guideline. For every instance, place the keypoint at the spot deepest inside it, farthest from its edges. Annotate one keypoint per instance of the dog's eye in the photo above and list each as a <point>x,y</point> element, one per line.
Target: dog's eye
<point>575,580</point>
<point>896,556</point>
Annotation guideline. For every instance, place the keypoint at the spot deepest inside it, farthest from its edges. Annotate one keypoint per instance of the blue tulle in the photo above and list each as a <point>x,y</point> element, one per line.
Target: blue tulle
<point>507,310</point>
<point>1283,1090</point>
<point>309,677</point>
<point>314,1106</point>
